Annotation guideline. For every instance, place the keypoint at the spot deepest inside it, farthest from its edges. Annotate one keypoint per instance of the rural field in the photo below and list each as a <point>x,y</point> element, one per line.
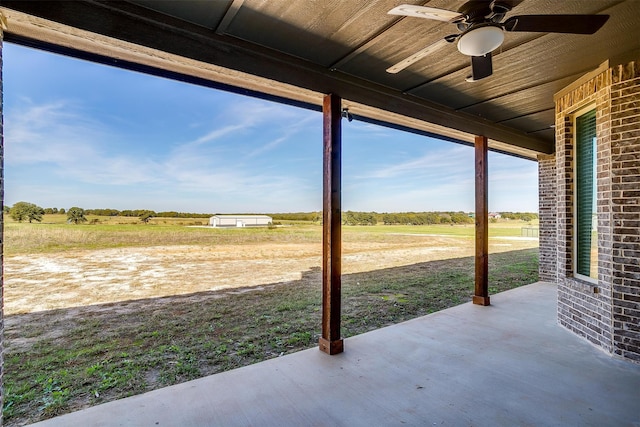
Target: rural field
<point>115,307</point>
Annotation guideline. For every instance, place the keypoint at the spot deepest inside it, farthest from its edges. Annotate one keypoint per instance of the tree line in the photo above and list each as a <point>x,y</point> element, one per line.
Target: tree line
<point>142,212</point>
<point>400,218</point>
<point>406,218</point>
<point>297,216</point>
<point>523,216</point>
<point>373,218</point>
<point>25,211</point>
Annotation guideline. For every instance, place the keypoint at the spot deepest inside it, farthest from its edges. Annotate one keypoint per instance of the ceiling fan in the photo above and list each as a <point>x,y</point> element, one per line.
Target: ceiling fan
<point>481,30</point>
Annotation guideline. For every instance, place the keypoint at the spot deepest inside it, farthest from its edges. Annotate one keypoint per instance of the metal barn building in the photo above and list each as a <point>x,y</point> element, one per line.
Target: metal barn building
<point>240,220</point>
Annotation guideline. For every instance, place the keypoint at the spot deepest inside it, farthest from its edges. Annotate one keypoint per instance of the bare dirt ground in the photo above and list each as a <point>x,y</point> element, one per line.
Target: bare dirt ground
<point>36,283</point>
<point>85,327</point>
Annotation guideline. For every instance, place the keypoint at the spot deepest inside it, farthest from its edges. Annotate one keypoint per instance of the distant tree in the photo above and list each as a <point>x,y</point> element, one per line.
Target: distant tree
<point>527,217</point>
<point>445,218</point>
<point>5,209</point>
<point>22,211</point>
<point>136,212</point>
<point>348,218</point>
<point>75,215</point>
<point>461,218</point>
<point>62,211</point>
<point>297,216</point>
<point>102,212</point>
<point>523,216</point>
<point>146,216</point>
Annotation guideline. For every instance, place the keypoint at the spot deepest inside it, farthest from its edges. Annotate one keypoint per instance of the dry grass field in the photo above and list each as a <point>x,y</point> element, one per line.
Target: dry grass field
<point>98,312</point>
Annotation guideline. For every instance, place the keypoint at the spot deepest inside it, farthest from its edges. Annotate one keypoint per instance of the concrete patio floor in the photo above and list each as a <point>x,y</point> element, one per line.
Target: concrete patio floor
<point>508,364</point>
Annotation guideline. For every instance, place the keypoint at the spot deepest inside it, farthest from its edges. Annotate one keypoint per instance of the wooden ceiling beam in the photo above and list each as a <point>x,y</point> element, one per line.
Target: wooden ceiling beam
<point>233,10</point>
<point>144,27</point>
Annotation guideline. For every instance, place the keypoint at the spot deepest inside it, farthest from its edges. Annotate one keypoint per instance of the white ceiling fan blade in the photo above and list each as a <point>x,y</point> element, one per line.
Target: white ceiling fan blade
<point>426,12</point>
<point>417,56</point>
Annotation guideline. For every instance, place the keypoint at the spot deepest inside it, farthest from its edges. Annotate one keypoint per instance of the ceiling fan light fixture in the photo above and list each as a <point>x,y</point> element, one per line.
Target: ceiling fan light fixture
<point>480,40</point>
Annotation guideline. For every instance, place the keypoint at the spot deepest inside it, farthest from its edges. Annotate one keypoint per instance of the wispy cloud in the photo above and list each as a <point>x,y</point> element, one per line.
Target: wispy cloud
<point>216,134</point>
<point>251,117</point>
<point>290,127</point>
<point>60,137</point>
<point>49,133</point>
<point>364,130</point>
<point>236,117</point>
<point>443,162</point>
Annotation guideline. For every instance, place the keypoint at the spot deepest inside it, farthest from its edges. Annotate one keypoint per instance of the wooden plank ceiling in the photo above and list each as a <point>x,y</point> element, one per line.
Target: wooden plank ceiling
<point>299,50</point>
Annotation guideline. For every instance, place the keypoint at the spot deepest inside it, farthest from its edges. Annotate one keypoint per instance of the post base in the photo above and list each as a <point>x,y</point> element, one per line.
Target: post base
<point>331,347</point>
<point>478,300</point>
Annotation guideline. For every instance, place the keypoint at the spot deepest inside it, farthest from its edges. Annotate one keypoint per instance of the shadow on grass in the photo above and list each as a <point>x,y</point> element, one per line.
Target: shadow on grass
<point>63,360</point>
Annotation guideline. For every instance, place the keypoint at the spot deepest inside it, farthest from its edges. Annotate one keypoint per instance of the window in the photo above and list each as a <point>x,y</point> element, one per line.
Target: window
<point>586,241</point>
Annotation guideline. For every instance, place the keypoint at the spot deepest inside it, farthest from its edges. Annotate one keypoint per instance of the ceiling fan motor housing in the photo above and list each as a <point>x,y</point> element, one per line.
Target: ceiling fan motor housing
<point>476,11</point>
<point>481,32</point>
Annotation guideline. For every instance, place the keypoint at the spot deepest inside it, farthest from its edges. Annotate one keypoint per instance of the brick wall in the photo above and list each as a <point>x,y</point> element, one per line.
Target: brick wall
<point>547,212</point>
<point>607,311</point>
<point>625,209</point>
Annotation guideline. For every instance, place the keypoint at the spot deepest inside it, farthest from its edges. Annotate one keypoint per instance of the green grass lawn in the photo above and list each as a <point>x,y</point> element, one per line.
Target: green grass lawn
<point>62,360</point>
<point>102,353</point>
<point>54,234</point>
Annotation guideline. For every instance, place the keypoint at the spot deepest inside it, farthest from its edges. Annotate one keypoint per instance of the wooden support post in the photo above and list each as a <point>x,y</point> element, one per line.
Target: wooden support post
<point>331,341</point>
<point>481,296</point>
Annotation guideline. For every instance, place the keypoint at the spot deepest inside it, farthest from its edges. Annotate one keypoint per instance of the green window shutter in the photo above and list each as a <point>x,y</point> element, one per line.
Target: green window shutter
<point>585,189</point>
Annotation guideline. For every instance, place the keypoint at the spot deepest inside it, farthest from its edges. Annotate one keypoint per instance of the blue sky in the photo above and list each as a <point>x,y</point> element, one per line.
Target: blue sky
<point>87,135</point>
